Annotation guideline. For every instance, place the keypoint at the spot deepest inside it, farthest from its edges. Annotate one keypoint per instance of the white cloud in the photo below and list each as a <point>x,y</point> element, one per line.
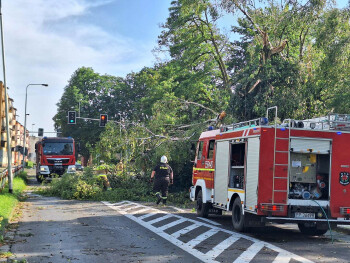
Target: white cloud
<point>45,42</point>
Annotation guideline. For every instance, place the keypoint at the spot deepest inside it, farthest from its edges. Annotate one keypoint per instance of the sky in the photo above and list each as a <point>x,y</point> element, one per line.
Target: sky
<point>46,41</point>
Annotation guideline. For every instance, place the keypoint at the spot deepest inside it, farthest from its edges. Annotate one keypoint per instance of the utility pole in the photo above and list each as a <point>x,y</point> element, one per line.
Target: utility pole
<point>9,156</point>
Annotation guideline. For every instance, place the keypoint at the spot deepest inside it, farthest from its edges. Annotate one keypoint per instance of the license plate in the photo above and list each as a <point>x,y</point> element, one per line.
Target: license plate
<point>304,215</point>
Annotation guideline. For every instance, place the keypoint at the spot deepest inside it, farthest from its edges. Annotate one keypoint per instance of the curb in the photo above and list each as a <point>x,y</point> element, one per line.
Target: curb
<point>6,247</point>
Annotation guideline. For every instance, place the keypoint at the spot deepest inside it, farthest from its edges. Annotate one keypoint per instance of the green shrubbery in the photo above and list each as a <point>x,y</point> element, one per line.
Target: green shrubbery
<point>87,186</point>
<point>29,164</point>
<point>75,186</point>
<point>9,201</point>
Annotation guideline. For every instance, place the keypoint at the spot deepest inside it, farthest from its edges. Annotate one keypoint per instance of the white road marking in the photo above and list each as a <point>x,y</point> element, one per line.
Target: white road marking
<point>210,256</point>
<point>179,221</point>
<point>140,211</point>
<point>250,253</point>
<point>219,248</point>
<point>282,258</point>
<point>147,215</point>
<point>184,230</point>
<point>165,216</point>
<point>177,209</point>
<point>131,208</point>
<point>210,221</point>
<point>194,242</point>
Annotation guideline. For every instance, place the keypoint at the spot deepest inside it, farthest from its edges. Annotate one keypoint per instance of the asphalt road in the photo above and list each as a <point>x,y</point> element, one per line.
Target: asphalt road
<point>55,230</point>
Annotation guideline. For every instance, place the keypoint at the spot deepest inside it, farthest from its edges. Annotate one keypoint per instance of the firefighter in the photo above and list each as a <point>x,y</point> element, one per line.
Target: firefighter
<point>163,175</point>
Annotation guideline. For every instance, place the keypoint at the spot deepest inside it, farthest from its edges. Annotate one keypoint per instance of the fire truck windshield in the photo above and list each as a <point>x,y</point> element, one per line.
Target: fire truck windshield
<point>58,148</point>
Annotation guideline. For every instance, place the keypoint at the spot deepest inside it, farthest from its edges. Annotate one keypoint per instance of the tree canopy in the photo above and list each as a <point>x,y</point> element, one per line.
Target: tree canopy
<point>293,54</point>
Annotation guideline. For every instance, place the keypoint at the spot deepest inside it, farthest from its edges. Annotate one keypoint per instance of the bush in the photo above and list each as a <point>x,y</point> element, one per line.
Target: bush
<point>75,186</point>
<point>29,164</point>
<point>23,176</point>
<point>9,201</point>
<point>87,186</point>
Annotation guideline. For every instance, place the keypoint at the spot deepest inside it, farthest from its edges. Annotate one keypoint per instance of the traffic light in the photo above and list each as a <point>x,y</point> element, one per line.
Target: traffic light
<point>103,120</point>
<point>72,117</point>
<point>40,132</point>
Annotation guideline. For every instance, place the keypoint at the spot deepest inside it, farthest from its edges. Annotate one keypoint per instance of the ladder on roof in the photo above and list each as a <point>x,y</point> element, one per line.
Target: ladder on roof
<point>280,169</point>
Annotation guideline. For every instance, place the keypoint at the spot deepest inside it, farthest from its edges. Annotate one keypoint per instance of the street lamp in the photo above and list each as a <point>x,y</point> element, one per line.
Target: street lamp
<point>25,119</point>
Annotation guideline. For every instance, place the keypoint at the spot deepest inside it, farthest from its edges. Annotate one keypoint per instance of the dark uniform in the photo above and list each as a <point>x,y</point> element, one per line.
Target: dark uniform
<point>162,180</point>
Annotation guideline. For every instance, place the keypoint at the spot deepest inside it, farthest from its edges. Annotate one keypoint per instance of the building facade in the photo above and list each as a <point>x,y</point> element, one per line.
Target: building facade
<point>16,132</point>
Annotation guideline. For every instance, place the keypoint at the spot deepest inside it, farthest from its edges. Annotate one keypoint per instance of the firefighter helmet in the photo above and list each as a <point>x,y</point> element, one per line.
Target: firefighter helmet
<point>163,159</point>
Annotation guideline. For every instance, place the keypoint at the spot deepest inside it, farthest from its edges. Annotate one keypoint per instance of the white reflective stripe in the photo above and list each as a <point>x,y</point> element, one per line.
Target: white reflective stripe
<point>164,216</point>
<point>184,230</point>
<point>219,248</point>
<point>179,221</point>
<point>194,242</point>
<point>250,253</point>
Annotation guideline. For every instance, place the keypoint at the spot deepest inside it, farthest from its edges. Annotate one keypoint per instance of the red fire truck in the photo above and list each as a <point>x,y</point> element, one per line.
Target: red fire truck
<point>298,171</point>
<point>54,155</point>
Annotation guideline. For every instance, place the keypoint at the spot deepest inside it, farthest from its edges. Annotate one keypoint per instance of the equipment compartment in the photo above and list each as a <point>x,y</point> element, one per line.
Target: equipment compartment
<point>309,176</point>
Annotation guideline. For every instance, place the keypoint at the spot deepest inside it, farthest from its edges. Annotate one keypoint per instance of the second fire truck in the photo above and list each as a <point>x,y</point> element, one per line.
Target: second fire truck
<point>54,155</point>
<point>296,172</point>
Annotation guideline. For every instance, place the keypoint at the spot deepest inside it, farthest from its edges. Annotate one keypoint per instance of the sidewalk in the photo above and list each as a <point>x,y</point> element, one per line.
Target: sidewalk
<point>343,228</point>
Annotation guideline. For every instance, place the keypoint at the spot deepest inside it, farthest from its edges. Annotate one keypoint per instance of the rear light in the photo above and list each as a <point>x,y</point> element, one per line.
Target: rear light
<point>272,207</point>
<point>345,210</point>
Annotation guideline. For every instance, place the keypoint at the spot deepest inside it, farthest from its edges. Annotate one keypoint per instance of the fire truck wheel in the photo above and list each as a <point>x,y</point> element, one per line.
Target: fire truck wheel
<point>237,215</point>
<point>311,230</point>
<point>202,208</point>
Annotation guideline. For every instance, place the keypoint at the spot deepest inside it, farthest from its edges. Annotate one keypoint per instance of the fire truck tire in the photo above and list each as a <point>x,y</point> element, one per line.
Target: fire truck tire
<point>311,230</point>
<point>238,216</point>
<point>202,208</point>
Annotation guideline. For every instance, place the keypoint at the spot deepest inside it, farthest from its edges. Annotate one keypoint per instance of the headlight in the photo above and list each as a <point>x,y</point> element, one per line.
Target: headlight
<point>44,169</point>
<point>71,169</point>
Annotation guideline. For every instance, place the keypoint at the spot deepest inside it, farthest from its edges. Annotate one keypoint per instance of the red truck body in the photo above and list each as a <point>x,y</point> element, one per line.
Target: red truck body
<point>54,155</point>
<point>279,173</point>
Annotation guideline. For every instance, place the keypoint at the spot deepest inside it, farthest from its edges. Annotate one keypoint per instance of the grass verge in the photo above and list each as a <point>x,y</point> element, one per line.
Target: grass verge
<point>9,201</point>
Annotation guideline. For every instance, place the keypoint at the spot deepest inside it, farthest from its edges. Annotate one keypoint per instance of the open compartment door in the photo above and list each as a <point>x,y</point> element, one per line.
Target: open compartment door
<point>252,174</point>
<point>222,169</point>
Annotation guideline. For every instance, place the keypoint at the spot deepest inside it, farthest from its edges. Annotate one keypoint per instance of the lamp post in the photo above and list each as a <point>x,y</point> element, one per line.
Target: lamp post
<point>33,129</point>
<point>9,155</point>
<point>25,119</point>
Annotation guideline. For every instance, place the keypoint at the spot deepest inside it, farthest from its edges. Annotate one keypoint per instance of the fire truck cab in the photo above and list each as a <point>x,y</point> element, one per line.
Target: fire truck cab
<point>298,171</point>
<point>54,155</point>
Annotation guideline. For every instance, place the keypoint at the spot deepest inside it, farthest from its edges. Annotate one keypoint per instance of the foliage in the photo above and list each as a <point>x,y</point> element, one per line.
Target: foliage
<point>293,54</point>
<point>23,176</point>
<point>9,201</point>
<point>29,164</point>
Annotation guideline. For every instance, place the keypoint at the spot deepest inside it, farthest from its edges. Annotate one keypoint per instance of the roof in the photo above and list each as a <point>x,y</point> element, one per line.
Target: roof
<point>57,139</point>
<point>211,133</point>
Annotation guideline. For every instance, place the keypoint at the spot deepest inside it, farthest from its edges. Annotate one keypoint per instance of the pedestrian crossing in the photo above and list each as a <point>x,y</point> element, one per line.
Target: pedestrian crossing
<point>207,242</point>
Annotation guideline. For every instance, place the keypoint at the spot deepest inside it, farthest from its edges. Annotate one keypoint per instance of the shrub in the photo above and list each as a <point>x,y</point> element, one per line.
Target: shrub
<point>29,164</point>
<point>23,176</point>
<point>9,201</point>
